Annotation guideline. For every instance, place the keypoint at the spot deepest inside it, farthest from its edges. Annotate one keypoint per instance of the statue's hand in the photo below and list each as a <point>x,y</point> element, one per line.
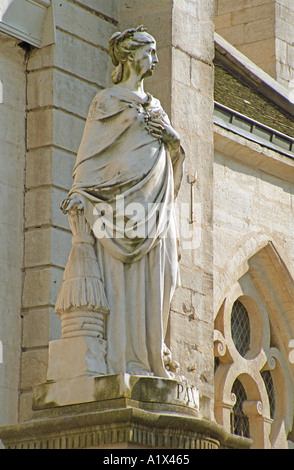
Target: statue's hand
<point>72,203</point>
<point>162,130</point>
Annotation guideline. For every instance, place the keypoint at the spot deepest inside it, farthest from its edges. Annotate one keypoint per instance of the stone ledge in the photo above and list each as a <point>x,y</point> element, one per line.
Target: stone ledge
<point>253,154</point>
<point>121,412</point>
<point>118,429</point>
<point>118,391</point>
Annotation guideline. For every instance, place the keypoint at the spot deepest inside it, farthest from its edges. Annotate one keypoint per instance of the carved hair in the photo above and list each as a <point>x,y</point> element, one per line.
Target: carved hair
<point>121,45</point>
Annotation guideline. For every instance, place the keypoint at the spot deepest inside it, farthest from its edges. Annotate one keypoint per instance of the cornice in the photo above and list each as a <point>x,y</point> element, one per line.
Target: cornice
<point>25,20</point>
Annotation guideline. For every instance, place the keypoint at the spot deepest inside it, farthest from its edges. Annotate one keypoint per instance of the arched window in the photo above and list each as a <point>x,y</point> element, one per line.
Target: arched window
<point>253,334</point>
<point>239,421</point>
<point>250,383</point>
<point>240,328</point>
<point>269,385</point>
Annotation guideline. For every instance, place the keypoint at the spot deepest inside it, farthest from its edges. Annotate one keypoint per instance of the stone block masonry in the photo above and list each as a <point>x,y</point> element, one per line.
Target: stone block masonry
<point>62,80</point>
<point>249,26</point>
<point>263,31</point>
<point>12,157</point>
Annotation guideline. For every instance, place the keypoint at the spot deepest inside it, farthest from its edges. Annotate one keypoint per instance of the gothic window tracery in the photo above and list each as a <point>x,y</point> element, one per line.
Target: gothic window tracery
<point>250,371</point>
<point>269,385</point>
<point>239,421</point>
<point>240,327</point>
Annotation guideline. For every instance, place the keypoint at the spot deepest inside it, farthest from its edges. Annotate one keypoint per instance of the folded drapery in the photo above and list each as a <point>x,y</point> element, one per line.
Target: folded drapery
<point>127,181</point>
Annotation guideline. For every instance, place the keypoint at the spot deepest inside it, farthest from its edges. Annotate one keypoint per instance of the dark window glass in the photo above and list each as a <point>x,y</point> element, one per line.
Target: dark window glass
<point>240,328</point>
<point>239,421</point>
<point>269,385</point>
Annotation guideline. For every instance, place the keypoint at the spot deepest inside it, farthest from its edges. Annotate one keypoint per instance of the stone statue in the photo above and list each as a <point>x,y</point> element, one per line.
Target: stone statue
<point>123,267</point>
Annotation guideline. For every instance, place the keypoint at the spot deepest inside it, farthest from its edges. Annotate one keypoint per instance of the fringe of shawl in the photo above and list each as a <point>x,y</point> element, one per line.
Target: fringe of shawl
<point>82,286</point>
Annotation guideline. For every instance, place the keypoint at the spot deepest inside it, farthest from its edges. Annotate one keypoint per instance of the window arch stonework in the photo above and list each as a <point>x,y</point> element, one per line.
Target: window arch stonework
<point>259,359</point>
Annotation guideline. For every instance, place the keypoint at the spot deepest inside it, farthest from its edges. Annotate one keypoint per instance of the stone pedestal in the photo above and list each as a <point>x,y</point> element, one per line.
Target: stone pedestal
<point>75,357</point>
<point>116,391</point>
<point>118,412</point>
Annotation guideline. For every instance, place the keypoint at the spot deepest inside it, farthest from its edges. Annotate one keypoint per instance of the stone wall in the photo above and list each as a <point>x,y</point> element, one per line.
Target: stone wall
<point>249,25</point>
<point>263,31</point>
<point>253,262</point>
<point>253,206</point>
<point>12,157</point>
<point>285,42</point>
<point>62,80</point>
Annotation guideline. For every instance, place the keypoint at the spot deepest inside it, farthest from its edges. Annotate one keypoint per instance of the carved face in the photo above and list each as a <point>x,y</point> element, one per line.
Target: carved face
<point>144,60</point>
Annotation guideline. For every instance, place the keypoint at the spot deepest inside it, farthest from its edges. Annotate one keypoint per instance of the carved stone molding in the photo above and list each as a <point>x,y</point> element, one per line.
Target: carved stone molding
<point>126,431</point>
<point>124,412</point>
<point>270,329</point>
<point>25,20</point>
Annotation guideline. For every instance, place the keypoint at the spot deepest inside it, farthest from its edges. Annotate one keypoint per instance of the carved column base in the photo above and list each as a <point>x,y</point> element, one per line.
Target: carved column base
<point>82,323</point>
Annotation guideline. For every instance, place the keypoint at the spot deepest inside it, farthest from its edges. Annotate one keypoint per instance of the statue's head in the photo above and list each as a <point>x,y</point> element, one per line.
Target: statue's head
<point>133,47</point>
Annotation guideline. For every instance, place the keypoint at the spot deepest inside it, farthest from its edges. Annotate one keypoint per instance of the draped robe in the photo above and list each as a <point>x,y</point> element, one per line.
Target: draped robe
<point>127,181</point>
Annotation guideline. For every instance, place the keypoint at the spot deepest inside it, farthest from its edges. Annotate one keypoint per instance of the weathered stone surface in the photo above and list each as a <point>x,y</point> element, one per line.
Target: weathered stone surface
<point>92,59</point>
<point>52,243</point>
<point>33,367</point>
<point>225,6</point>
<point>12,158</point>
<point>150,393</point>
<point>41,286</point>
<point>75,357</point>
<point>88,27</point>
<point>260,30</point>
<point>109,8</point>
<point>252,13</point>
<point>46,129</point>
<point>48,166</point>
<point>125,427</point>
<point>249,26</point>
<point>37,199</point>
<point>36,327</point>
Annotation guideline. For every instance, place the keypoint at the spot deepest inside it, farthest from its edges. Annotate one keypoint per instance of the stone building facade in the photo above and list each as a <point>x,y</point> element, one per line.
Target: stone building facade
<point>225,77</point>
